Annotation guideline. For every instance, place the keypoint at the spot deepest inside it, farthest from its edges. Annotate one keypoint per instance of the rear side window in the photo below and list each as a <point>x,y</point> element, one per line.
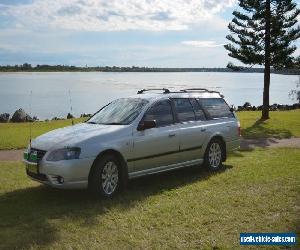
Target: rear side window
<point>184,110</point>
<point>216,107</point>
<point>198,110</point>
<point>161,112</point>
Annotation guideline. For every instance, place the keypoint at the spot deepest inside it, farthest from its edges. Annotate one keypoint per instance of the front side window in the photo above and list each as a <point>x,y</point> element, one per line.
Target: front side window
<point>161,112</point>
<point>119,112</point>
<point>184,110</point>
<point>216,107</point>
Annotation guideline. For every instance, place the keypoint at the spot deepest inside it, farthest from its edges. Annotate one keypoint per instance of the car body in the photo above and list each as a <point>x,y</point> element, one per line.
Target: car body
<point>170,130</point>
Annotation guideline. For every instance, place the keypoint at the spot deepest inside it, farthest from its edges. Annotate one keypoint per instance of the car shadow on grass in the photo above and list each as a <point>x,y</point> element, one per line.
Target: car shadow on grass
<point>34,216</point>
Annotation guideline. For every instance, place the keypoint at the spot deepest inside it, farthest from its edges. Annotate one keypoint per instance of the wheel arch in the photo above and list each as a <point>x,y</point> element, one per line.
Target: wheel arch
<point>222,139</point>
<point>119,156</point>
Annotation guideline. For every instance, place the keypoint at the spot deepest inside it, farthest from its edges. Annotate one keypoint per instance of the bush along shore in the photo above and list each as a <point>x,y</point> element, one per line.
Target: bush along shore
<point>274,107</point>
<point>21,116</point>
<point>27,67</point>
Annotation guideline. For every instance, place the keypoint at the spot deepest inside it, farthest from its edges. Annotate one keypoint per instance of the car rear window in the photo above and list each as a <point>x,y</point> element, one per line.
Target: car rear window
<point>215,107</point>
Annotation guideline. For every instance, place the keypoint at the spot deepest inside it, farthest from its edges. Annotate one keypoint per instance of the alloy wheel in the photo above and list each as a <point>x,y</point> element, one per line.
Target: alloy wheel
<point>214,155</point>
<point>109,177</point>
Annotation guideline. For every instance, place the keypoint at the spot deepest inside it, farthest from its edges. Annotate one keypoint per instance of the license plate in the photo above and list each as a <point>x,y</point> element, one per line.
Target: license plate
<point>26,155</point>
<point>32,168</point>
<point>30,156</point>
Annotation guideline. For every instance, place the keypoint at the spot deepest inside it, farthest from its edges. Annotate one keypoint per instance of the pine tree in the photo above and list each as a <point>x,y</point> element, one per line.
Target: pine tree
<point>263,34</point>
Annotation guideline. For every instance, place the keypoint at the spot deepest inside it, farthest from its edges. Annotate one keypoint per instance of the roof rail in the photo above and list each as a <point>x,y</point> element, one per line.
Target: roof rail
<point>165,91</point>
<point>201,90</point>
<point>195,89</point>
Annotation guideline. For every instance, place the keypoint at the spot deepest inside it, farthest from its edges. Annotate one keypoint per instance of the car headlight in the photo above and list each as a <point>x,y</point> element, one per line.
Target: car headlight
<point>64,154</point>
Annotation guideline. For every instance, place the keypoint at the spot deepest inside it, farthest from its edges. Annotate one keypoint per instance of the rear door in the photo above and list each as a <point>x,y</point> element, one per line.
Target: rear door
<point>158,146</point>
<point>192,128</point>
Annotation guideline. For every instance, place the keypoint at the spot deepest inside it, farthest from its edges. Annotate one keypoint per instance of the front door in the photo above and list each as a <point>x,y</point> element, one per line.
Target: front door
<point>159,146</point>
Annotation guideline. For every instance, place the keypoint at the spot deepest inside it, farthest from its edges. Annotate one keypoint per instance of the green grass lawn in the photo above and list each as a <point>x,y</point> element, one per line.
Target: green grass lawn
<point>16,135</point>
<point>283,124</point>
<point>257,191</point>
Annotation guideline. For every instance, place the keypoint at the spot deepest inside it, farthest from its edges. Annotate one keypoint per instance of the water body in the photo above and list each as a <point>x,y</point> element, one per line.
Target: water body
<point>91,90</point>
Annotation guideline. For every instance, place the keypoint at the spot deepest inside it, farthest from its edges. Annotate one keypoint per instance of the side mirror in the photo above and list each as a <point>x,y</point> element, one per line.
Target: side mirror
<point>232,108</point>
<point>143,125</point>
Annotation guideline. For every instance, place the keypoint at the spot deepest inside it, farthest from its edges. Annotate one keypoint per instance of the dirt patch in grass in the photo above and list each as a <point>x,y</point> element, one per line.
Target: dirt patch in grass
<point>248,144</point>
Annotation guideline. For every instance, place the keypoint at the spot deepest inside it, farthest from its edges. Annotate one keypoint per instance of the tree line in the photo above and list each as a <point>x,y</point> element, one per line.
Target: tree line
<point>27,67</point>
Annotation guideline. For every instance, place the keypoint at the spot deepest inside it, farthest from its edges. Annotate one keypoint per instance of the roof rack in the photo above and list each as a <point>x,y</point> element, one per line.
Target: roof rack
<point>195,89</point>
<point>165,91</point>
<point>201,90</point>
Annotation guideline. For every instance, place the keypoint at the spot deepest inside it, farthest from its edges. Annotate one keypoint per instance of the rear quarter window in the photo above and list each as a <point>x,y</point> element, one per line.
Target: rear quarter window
<point>216,107</point>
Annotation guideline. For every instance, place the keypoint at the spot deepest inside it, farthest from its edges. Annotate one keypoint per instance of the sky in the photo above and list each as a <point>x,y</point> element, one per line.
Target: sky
<point>152,33</point>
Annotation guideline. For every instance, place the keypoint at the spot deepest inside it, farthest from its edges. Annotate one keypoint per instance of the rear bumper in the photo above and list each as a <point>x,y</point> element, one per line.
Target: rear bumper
<point>70,174</point>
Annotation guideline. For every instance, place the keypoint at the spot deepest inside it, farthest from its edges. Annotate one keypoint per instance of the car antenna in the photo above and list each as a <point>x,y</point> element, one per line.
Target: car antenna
<point>30,130</point>
<point>71,108</point>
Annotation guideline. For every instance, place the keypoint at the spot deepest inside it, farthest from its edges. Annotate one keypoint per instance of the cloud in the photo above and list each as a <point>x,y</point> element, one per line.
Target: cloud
<point>113,15</point>
<point>203,44</point>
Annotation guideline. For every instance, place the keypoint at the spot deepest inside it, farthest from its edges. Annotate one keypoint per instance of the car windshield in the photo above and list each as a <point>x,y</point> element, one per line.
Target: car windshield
<point>119,112</point>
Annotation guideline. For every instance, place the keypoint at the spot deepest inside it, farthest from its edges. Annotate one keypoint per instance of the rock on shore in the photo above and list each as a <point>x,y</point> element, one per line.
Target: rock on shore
<point>274,107</point>
<point>21,116</point>
<point>4,117</point>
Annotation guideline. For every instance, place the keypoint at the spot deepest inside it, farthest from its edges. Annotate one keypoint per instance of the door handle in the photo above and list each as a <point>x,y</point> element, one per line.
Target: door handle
<point>172,135</point>
<point>203,129</point>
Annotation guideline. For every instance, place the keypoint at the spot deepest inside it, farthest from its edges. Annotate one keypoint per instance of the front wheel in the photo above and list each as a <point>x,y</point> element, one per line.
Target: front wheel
<point>105,177</point>
<point>213,155</point>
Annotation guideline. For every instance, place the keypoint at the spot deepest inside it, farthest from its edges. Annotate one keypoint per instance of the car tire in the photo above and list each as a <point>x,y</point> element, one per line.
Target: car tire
<point>105,177</point>
<point>214,155</point>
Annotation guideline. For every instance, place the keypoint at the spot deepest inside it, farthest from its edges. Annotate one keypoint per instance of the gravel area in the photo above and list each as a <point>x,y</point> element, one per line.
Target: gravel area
<point>270,143</point>
<point>11,155</point>
<point>246,144</point>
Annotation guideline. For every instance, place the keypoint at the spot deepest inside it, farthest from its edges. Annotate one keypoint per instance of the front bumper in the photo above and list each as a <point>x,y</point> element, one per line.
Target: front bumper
<point>68,174</point>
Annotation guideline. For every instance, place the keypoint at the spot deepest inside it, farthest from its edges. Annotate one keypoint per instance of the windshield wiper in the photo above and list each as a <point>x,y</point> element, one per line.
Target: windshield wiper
<point>110,123</point>
<point>113,123</point>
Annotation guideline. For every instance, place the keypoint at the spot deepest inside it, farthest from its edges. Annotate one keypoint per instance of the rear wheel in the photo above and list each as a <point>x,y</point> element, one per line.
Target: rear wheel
<point>214,155</point>
<point>105,178</point>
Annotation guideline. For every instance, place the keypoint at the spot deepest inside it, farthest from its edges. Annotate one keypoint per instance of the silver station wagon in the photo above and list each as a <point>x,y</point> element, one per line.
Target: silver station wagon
<point>154,131</point>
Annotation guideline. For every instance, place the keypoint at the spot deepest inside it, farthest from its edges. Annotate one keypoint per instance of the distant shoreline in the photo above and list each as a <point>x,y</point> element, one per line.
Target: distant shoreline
<point>64,68</point>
